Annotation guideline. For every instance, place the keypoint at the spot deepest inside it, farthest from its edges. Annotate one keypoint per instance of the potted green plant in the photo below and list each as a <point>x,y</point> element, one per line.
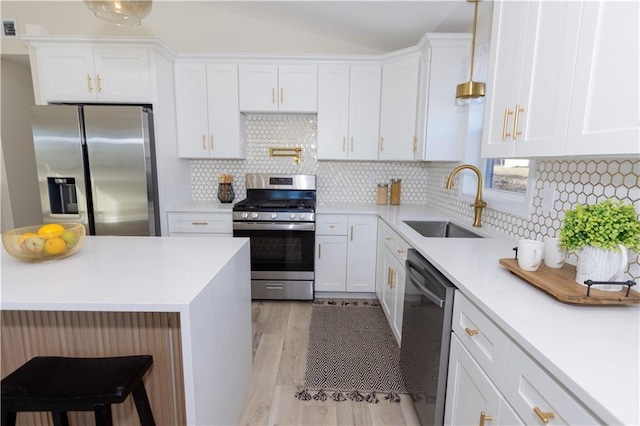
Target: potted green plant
<point>600,234</point>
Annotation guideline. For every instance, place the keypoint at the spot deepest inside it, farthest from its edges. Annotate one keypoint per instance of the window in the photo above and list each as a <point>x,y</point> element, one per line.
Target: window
<point>508,183</point>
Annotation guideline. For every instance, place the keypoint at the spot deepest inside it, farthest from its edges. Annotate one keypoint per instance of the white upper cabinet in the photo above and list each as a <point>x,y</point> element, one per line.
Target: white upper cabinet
<point>441,123</point>
<point>605,107</point>
<point>348,112</point>
<point>533,52</point>
<point>279,88</point>
<point>85,74</point>
<point>207,110</point>
<point>398,139</point>
<point>559,84</point>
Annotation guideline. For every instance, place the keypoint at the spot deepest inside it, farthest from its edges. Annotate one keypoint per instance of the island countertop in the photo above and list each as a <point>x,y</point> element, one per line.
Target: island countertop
<point>126,274</point>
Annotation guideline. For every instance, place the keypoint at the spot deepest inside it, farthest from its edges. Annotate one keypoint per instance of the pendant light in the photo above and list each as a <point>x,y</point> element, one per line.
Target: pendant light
<point>471,90</point>
<point>127,13</point>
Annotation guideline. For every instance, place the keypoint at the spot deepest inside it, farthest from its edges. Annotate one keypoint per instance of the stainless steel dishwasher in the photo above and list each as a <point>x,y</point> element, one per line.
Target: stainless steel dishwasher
<point>426,333</point>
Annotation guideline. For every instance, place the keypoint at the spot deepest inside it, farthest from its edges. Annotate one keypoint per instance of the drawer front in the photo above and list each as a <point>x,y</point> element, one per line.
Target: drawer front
<point>395,243</point>
<point>330,224</point>
<point>200,223</point>
<point>487,343</point>
<point>537,397</point>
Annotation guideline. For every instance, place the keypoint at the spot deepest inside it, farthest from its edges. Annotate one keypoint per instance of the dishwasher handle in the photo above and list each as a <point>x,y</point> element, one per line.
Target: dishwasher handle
<point>413,277</point>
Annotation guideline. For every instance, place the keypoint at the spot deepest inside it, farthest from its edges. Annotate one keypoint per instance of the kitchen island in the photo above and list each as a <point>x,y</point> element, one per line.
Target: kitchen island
<point>184,300</point>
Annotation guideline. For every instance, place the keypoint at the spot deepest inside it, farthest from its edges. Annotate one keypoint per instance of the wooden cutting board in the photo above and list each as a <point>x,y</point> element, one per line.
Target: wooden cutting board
<point>561,284</point>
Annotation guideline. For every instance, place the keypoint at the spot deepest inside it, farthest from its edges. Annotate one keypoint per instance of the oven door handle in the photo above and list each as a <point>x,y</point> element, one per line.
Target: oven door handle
<point>272,226</point>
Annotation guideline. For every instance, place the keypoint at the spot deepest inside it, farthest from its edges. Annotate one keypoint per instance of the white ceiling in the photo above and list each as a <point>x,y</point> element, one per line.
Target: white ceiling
<point>378,25</point>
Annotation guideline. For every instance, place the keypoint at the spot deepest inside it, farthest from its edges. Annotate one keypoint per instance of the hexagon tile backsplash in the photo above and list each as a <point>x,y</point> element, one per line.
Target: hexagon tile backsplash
<point>578,181</point>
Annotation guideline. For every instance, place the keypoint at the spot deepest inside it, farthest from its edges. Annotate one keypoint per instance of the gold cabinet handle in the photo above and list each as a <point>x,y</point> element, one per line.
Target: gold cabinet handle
<point>400,251</point>
<point>211,141</point>
<point>505,123</point>
<point>352,233</point>
<point>332,226</point>
<point>517,132</point>
<point>281,95</point>
<point>351,143</point>
<point>199,223</point>
<point>388,238</point>
<point>483,418</point>
<point>543,416</point>
<point>470,332</point>
<point>273,95</point>
<point>99,84</point>
<point>344,143</point>
<point>389,276</point>
<point>415,144</point>
<point>393,278</point>
<point>319,251</point>
<point>204,142</point>
<point>89,83</point>
<point>381,143</point>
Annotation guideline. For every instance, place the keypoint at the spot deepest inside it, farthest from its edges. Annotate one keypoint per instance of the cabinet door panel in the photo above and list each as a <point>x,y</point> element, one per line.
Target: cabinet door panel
<point>67,74</point>
<point>333,112</point>
<point>258,87</point>
<point>224,114</point>
<point>331,263</point>
<point>298,88</point>
<point>605,105</point>
<point>364,112</point>
<point>123,75</point>
<point>547,76</point>
<point>191,110</point>
<point>398,109</point>
<point>469,390</point>
<point>505,71</point>
<point>361,254</point>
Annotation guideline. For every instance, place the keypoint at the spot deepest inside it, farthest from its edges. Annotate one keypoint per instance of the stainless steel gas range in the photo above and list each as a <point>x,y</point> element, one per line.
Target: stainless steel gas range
<point>278,216</point>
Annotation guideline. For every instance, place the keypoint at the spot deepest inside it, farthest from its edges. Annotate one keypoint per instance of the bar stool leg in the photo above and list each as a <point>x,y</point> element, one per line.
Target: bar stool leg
<point>8,417</point>
<point>102,414</point>
<point>60,418</point>
<point>143,406</point>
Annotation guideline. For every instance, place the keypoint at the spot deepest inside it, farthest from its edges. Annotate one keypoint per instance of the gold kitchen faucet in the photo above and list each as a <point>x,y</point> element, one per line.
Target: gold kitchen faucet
<point>479,204</point>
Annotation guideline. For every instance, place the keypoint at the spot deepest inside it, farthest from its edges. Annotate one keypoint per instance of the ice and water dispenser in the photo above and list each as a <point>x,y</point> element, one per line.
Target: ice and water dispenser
<point>63,198</point>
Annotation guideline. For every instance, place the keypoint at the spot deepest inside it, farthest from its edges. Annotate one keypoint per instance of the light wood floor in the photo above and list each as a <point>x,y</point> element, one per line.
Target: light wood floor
<point>280,337</point>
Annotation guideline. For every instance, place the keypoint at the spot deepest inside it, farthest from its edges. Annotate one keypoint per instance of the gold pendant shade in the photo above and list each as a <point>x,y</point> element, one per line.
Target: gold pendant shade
<point>128,13</point>
<point>471,90</point>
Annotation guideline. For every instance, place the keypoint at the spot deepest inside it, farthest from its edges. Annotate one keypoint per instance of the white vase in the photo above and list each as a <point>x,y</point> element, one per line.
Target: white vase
<point>597,264</point>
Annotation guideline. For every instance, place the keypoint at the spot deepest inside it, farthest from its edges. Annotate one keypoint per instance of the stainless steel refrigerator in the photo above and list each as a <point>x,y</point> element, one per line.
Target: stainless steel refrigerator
<point>96,166</point>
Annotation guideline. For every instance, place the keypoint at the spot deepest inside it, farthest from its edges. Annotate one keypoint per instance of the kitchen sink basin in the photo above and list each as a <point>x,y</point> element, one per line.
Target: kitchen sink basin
<point>440,229</point>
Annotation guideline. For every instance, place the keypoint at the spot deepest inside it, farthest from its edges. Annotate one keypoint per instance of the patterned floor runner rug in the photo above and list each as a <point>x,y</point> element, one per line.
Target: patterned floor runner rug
<point>352,354</point>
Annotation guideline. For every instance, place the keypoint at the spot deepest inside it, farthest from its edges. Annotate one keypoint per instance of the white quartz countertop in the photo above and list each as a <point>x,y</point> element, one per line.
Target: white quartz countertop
<point>594,351</point>
<point>129,274</point>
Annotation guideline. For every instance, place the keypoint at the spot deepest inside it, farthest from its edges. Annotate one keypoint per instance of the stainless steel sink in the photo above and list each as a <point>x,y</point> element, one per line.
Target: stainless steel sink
<point>440,229</point>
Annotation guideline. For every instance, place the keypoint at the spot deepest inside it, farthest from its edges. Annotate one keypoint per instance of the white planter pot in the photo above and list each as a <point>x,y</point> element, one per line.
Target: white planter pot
<point>597,264</point>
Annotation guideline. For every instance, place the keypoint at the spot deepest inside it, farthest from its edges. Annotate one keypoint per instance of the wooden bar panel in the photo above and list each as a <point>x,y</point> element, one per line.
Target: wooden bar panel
<point>25,334</point>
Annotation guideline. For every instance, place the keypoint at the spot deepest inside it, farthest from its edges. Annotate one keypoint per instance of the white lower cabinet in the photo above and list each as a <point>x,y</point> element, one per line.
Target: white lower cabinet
<point>186,224</point>
<point>390,276</point>
<point>345,253</point>
<point>471,397</point>
<point>489,373</point>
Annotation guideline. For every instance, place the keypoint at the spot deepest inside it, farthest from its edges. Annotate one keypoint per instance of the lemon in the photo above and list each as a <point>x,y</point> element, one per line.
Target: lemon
<point>51,230</point>
<point>24,236</point>
<point>55,245</point>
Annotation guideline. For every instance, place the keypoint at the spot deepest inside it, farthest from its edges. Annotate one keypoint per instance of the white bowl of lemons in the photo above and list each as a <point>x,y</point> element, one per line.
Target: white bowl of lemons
<point>44,242</point>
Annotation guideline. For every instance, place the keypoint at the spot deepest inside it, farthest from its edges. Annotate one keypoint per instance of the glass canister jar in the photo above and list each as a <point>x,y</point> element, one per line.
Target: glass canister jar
<point>383,193</point>
<point>395,191</point>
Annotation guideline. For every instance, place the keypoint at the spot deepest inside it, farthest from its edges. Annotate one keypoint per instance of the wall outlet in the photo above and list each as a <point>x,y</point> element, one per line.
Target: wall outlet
<point>373,178</point>
<point>548,195</point>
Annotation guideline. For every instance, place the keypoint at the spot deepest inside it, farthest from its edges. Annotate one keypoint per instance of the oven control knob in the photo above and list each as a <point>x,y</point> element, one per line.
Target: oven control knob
<point>254,215</point>
<point>302,215</point>
<point>245,215</point>
<point>274,215</point>
<point>292,215</point>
